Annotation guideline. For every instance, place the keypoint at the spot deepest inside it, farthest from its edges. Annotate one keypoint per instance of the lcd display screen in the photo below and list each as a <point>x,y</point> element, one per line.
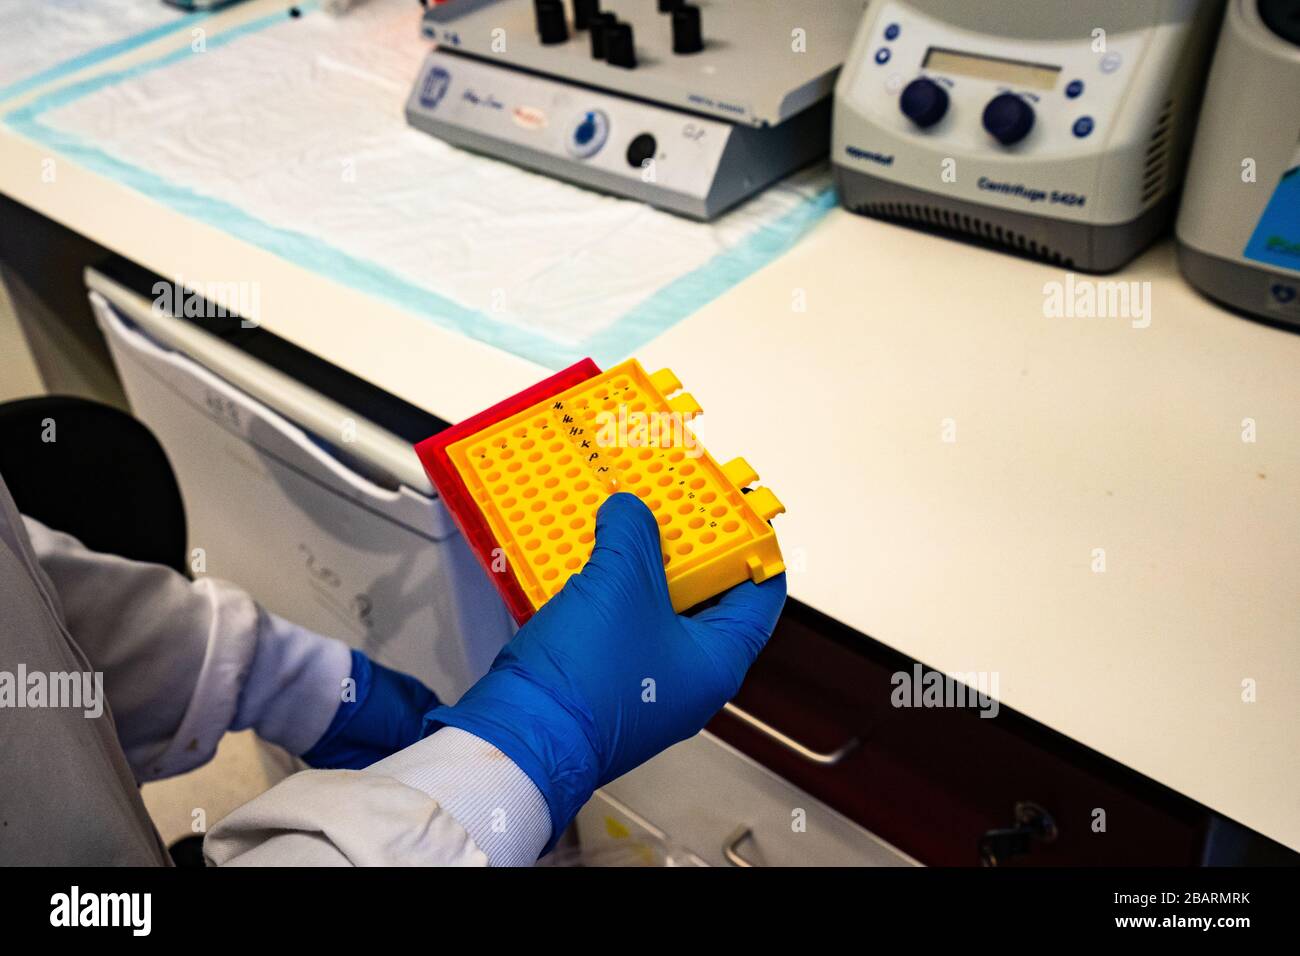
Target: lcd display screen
<point>1038,76</point>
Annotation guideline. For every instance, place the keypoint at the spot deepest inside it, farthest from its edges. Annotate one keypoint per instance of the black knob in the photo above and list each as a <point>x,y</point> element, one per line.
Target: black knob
<point>583,12</point>
<point>552,28</point>
<point>599,26</point>
<point>1009,118</point>
<point>641,150</point>
<point>924,102</point>
<point>668,6</point>
<point>620,49</point>
<point>687,37</point>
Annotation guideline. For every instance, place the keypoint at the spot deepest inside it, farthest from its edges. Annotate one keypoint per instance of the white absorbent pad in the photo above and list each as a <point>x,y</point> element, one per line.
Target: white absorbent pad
<point>44,40</point>
<point>290,133</point>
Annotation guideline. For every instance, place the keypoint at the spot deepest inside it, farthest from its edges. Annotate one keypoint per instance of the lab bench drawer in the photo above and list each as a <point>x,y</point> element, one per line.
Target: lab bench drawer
<point>706,797</point>
<point>612,834</point>
<point>816,710</point>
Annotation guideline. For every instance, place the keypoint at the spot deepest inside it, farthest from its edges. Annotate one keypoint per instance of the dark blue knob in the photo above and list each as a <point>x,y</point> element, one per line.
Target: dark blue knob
<point>924,102</point>
<point>1009,118</point>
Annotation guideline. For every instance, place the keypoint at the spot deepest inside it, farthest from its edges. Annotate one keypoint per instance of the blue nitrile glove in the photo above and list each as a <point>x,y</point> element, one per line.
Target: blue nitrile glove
<point>606,675</point>
<point>386,716</point>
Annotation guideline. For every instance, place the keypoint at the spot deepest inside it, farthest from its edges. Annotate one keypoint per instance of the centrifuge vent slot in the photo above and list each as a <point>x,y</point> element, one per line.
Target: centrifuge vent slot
<point>938,219</point>
<point>1155,174</point>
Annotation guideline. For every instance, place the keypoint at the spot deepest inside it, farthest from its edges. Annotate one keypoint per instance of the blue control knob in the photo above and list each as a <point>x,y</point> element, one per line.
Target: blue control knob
<point>587,134</point>
<point>1009,118</point>
<point>924,102</point>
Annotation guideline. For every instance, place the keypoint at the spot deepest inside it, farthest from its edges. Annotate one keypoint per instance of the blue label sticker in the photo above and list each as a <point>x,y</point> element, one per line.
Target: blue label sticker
<point>1276,241</point>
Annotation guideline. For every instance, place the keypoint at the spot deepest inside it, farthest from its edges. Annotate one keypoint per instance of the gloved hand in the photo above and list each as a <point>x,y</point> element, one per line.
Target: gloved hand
<point>386,716</point>
<point>606,675</point>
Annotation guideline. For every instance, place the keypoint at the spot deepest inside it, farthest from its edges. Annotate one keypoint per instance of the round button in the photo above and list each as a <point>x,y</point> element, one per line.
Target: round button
<point>1083,126</point>
<point>1111,62</point>
<point>924,102</point>
<point>1008,118</point>
<point>892,31</point>
<point>1075,89</point>
<point>587,134</point>
<point>640,150</point>
<point>882,55</point>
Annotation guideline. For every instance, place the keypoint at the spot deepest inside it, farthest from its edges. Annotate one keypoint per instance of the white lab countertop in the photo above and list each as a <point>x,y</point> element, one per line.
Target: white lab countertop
<point>975,554</point>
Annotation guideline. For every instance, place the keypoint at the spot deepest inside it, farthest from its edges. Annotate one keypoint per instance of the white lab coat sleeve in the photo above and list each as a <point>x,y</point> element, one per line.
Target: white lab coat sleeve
<point>185,661</point>
<point>451,799</point>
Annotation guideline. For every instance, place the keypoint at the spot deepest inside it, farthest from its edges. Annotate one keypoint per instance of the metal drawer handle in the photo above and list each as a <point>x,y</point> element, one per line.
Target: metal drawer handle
<point>790,744</point>
<point>738,836</point>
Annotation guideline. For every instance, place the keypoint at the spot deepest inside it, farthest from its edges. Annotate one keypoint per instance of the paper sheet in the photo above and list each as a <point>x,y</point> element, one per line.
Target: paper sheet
<point>41,40</point>
<point>290,133</point>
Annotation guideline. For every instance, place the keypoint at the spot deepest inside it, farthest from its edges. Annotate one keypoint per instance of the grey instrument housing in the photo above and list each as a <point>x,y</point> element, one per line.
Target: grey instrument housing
<point>1249,113</point>
<point>1111,90</point>
<point>750,108</point>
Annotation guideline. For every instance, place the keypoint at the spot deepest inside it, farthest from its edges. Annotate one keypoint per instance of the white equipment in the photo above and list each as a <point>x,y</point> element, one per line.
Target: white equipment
<point>1239,227</point>
<point>1054,130</point>
<point>689,108</point>
<point>325,518</point>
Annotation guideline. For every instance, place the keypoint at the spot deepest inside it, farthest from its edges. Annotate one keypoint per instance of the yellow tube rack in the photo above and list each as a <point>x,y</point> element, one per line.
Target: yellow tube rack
<point>540,475</point>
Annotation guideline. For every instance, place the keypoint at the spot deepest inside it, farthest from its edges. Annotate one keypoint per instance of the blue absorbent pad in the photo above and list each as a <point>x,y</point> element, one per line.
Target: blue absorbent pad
<point>289,132</point>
